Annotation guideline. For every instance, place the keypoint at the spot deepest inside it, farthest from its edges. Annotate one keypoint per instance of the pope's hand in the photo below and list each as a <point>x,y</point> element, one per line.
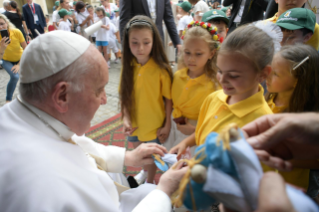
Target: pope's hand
<point>169,182</point>
<point>281,137</point>
<point>142,155</point>
<point>272,195</point>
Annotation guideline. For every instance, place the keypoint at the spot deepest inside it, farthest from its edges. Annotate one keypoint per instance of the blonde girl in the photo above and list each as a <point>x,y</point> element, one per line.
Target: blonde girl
<point>243,62</point>
<point>293,87</point>
<point>193,83</point>
<point>145,89</point>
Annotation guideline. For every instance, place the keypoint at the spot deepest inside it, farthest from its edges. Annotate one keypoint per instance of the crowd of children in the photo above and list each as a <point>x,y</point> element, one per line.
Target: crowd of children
<point>219,80</point>
<point>84,15</point>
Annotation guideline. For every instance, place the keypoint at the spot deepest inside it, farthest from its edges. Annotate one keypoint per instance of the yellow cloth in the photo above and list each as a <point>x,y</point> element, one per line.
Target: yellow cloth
<point>274,108</point>
<point>189,94</point>
<point>151,84</point>
<point>298,177</point>
<point>215,113</point>
<point>14,50</point>
<point>314,40</point>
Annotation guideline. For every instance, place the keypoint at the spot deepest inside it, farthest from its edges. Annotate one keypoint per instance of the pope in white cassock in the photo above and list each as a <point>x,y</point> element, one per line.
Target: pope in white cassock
<point>46,163</point>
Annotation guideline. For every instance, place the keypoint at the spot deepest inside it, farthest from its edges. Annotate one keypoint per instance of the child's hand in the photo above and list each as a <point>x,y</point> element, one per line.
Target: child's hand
<point>162,133</point>
<point>127,127</point>
<point>179,149</point>
<point>186,129</point>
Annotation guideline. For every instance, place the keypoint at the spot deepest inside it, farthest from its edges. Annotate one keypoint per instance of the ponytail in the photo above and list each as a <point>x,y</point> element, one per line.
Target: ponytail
<point>14,5</point>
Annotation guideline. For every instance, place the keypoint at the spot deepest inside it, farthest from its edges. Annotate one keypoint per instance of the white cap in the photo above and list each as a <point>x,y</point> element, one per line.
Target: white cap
<point>50,53</point>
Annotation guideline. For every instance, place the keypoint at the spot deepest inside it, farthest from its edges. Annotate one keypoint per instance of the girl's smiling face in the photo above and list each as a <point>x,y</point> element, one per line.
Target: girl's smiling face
<point>280,79</point>
<point>238,76</point>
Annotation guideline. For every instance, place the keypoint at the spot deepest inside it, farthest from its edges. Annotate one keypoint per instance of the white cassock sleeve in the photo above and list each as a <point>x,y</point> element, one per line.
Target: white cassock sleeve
<point>156,201</point>
<point>113,156</point>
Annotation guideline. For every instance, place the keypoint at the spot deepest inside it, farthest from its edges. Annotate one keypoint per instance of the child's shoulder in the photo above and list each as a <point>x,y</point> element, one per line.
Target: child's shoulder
<point>219,94</point>
<point>181,72</point>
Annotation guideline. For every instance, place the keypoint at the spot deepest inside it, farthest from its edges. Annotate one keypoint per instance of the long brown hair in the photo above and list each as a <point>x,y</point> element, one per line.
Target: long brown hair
<point>157,53</point>
<point>210,66</point>
<point>305,97</point>
<point>14,5</point>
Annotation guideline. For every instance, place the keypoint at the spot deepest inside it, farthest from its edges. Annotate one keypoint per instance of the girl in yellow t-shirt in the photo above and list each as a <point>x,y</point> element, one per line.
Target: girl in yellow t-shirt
<point>243,62</point>
<point>192,84</point>
<point>293,87</point>
<point>145,87</point>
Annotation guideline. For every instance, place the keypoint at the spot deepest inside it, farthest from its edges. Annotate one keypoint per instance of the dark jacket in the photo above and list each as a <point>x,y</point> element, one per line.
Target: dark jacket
<point>253,11</point>
<point>131,8</point>
<point>28,16</point>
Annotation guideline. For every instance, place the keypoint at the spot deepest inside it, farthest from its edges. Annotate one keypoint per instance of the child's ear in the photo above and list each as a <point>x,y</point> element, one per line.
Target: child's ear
<point>212,53</point>
<point>264,73</point>
<point>307,37</point>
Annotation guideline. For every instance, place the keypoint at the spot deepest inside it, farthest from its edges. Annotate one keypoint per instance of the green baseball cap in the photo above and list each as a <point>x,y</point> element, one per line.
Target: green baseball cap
<point>186,6</point>
<point>224,9</point>
<point>215,14</point>
<point>297,18</point>
<point>74,3</point>
<point>117,10</point>
<point>64,12</point>
<point>57,3</point>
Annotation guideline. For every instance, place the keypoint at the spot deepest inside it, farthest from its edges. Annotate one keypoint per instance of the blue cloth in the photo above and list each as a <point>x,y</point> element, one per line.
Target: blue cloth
<point>29,19</point>
<point>102,43</point>
<point>220,160</point>
<point>159,165</point>
<point>135,139</point>
<point>7,65</point>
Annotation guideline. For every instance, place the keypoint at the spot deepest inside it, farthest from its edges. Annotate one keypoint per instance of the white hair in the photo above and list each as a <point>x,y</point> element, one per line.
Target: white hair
<point>6,3</point>
<point>73,74</point>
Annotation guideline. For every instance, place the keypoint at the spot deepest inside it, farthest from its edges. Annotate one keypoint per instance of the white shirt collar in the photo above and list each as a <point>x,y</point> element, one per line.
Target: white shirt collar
<point>61,128</point>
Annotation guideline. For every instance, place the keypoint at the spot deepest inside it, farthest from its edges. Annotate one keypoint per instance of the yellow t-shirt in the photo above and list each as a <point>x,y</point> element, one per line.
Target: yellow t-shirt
<point>298,177</point>
<point>14,50</point>
<point>151,84</point>
<point>314,40</point>
<point>274,108</point>
<point>215,113</point>
<point>189,94</point>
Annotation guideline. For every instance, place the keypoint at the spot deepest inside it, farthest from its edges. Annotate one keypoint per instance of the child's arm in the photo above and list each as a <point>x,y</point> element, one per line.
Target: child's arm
<point>180,148</point>
<point>107,27</point>
<point>187,128</point>
<point>305,164</point>
<point>127,125</point>
<point>117,34</point>
<point>162,133</point>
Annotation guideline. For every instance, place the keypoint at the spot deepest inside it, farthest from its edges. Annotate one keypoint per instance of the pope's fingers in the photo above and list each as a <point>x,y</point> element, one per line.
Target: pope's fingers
<point>279,164</point>
<point>178,165</point>
<point>272,194</point>
<point>261,124</point>
<point>262,155</point>
<point>147,161</point>
<point>149,150</point>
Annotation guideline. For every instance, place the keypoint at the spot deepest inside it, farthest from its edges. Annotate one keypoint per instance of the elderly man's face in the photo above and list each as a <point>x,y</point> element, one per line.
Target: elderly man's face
<point>84,104</point>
